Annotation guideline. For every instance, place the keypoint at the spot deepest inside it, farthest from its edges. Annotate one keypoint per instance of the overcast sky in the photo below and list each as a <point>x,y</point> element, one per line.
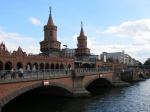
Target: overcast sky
<point>110,25</point>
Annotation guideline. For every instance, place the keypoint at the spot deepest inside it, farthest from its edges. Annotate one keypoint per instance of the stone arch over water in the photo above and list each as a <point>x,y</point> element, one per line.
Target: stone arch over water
<point>97,81</point>
<point>18,92</point>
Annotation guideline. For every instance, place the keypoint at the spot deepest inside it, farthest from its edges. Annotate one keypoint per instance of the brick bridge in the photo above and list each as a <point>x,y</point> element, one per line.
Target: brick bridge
<point>72,83</point>
<point>131,75</point>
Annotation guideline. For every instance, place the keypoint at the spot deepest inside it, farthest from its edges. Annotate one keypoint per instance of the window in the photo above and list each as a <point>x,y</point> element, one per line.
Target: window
<point>50,33</point>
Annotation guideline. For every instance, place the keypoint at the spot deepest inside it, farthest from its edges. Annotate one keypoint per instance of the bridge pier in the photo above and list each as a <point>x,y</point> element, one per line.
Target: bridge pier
<point>79,90</point>
<point>117,80</point>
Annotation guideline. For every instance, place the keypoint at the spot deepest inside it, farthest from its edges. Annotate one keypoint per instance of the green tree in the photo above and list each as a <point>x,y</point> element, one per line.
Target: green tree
<point>140,63</point>
<point>147,62</point>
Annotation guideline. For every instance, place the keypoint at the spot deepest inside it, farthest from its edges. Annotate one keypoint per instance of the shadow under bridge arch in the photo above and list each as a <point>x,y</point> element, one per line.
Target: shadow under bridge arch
<point>97,81</point>
<point>18,91</point>
<point>56,89</point>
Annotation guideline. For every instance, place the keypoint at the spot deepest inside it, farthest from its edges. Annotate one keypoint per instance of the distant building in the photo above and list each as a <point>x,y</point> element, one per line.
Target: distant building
<point>93,58</point>
<point>67,52</point>
<point>119,57</point>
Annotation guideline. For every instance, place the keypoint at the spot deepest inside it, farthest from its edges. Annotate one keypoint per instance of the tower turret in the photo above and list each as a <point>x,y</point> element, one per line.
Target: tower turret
<point>82,52</point>
<point>50,46</point>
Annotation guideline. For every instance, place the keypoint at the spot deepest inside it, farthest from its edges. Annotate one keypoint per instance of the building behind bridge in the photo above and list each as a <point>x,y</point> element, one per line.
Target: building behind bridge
<point>120,57</point>
<point>51,56</point>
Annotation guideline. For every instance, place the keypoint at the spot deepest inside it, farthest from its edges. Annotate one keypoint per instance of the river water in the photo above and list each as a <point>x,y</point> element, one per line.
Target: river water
<point>135,98</point>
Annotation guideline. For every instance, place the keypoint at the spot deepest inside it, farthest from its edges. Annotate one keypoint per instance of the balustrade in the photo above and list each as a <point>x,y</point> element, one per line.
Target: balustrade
<point>7,74</point>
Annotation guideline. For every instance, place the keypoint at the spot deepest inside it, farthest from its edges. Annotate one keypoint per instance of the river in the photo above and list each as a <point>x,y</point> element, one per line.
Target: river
<point>135,98</point>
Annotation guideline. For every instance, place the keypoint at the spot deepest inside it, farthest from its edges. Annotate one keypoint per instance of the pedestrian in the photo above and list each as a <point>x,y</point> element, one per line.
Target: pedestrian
<point>1,74</point>
<point>12,71</point>
<point>34,68</point>
<point>20,72</point>
<point>28,68</point>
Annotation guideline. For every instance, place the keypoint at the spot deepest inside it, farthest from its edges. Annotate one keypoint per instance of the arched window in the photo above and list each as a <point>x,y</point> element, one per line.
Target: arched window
<point>50,33</point>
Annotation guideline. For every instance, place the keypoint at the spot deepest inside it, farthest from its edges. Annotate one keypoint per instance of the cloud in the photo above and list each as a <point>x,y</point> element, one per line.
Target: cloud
<point>134,38</point>
<point>14,40</point>
<point>14,36</point>
<point>31,49</point>
<point>74,37</point>
<point>35,21</point>
<point>138,30</point>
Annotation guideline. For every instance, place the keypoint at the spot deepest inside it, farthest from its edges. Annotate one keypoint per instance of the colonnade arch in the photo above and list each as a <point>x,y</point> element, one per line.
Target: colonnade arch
<point>8,65</point>
<point>61,66</point>
<point>41,66</point>
<point>57,66</point>
<point>19,65</point>
<point>36,66</point>
<point>30,65</point>
<point>52,66</point>
<point>47,66</point>
<point>1,65</point>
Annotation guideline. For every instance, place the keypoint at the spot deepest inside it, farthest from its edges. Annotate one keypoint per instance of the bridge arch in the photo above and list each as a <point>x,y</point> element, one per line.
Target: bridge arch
<point>141,75</point>
<point>63,86</point>
<point>147,74</point>
<point>18,92</point>
<point>98,78</point>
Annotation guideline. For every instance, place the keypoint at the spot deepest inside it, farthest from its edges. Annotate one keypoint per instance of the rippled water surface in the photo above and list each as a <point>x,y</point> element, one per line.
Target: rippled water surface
<point>135,98</point>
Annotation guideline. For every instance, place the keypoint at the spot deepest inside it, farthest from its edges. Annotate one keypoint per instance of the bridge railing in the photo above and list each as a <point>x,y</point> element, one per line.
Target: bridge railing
<point>81,71</point>
<point>8,74</point>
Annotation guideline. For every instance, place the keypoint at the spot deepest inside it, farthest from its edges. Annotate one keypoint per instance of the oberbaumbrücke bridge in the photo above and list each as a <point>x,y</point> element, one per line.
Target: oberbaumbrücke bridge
<point>72,83</point>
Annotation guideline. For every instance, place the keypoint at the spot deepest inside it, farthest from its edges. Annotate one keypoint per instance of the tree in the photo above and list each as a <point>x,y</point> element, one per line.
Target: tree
<point>147,62</point>
<point>140,63</point>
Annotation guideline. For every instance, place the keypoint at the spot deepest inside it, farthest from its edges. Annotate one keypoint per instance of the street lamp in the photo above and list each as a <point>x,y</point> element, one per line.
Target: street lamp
<point>66,58</point>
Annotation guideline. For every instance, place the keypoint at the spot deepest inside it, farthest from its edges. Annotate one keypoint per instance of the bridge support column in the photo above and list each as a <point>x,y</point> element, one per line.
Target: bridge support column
<point>117,79</point>
<point>79,90</point>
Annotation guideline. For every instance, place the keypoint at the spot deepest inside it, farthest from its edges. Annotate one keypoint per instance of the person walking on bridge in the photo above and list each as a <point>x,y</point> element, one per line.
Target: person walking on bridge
<point>20,72</point>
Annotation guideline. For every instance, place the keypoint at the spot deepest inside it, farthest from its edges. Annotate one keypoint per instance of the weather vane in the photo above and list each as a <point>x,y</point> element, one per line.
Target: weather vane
<point>81,23</point>
<point>50,9</point>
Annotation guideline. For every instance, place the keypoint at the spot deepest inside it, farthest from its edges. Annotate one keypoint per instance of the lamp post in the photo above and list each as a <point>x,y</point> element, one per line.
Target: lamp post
<point>65,57</point>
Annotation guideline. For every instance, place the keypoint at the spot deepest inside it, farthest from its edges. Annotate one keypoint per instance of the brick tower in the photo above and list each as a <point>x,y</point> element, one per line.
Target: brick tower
<point>82,52</point>
<point>50,46</point>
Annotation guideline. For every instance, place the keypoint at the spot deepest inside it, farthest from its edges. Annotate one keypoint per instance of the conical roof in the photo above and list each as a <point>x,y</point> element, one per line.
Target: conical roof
<point>50,20</point>
<point>81,32</point>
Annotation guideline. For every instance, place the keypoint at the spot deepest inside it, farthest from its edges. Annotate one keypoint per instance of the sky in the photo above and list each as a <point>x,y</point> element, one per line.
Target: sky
<point>110,25</point>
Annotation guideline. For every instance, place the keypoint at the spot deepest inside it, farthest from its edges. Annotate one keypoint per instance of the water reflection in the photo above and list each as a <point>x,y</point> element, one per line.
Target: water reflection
<point>135,98</point>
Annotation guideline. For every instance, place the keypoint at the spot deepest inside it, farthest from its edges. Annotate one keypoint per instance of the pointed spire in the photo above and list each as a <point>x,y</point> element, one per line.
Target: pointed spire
<point>81,32</point>
<point>50,20</point>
